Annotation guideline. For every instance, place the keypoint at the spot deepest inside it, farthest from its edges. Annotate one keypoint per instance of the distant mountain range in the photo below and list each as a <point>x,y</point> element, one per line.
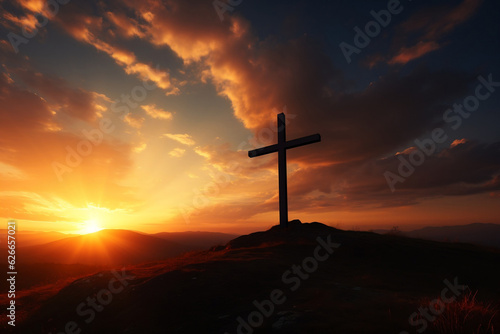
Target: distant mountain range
<point>195,240</point>
<point>478,233</point>
<point>111,247</point>
<point>106,247</point>
<point>32,238</point>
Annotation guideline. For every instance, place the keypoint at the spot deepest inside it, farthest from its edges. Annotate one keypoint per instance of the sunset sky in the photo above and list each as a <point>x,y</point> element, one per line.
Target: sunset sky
<point>139,114</point>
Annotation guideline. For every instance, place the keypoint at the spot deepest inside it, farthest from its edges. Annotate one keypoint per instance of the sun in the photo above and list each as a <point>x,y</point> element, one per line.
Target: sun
<point>91,226</point>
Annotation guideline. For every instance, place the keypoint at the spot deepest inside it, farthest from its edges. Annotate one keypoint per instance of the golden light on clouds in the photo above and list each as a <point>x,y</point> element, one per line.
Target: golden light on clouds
<point>183,138</point>
<point>156,113</point>
<point>177,152</point>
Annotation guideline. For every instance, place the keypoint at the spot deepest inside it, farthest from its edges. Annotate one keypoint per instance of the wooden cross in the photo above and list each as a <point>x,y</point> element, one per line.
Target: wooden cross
<point>281,148</point>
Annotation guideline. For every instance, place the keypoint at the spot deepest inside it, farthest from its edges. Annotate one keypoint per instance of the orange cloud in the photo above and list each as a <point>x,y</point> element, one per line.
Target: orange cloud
<point>457,142</point>
<point>157,113</point>
<point>140,147</point>
<point>11,172</point>
<point>146,72</point>
<point>35,6</point>
<point>133,120</point>
<point>181,138</point>
<point>407,151</point>
<point>406,55</point>
<point>127,26</point>
<point>177,152</point>
<point>166,25</point>
<point>122,57</point>
<point>28,21</point>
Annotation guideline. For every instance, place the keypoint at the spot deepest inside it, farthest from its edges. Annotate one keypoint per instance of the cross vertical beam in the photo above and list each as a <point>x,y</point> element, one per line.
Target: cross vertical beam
<point>281,148</point>
<point>283,192</point>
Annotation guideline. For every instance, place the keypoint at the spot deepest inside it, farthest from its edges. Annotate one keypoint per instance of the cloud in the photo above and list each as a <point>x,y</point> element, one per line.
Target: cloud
<point>35,6</point>
<point>21,110</point>
<point>190,29</point>
<point>407,151</point>
<point>177,152</point>
<point>126,25</point>
<point>156,113</point>
<point>236,163</point>
<point>406,55</point>
<point>76,102</point>
<point>140,147</point>
<point>159,77</point>
<point>134,120</point>
<point>457,142</point>
<point>81,23</point>
<point>23,13</point>
<point>28,205</point>
<point>27,21</point>
<point>466,169</point>
<point>181,138</point>
<point>11,172</point>
<point>426,31</point>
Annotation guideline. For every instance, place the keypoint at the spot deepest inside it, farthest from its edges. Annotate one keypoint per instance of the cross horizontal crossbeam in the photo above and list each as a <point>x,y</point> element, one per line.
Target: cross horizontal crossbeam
<point>289,145</point>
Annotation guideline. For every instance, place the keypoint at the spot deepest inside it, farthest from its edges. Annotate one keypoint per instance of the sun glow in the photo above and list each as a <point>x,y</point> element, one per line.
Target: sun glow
<point>91,226</point>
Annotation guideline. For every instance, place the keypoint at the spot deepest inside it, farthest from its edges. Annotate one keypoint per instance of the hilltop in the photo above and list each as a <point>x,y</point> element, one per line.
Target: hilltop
<point>348,282</point>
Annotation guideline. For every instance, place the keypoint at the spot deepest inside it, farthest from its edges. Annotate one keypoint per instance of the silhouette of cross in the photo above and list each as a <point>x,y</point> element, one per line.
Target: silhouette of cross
<point>281,148</point>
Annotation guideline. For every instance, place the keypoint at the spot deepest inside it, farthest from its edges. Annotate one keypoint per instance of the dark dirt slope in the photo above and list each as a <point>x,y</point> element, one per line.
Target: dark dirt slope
<point>370,284</point>
<point>197,240</point>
